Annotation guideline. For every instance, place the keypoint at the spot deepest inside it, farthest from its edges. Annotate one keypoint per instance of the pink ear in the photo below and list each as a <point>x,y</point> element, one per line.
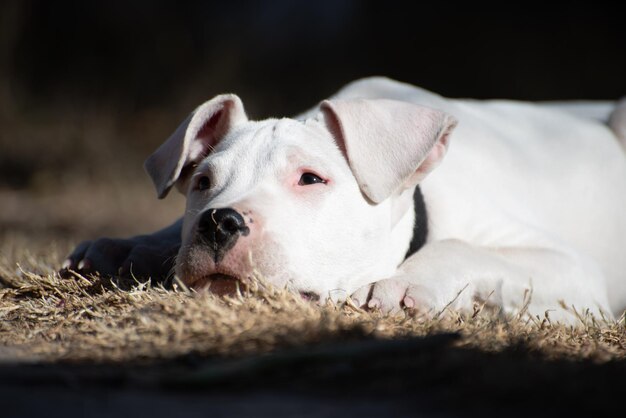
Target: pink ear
<point>390,145</point>
<point>193,140</point>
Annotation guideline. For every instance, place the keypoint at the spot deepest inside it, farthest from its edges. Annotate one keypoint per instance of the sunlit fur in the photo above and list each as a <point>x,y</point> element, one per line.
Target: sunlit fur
<point>525,211</point>
<point>295,229</point>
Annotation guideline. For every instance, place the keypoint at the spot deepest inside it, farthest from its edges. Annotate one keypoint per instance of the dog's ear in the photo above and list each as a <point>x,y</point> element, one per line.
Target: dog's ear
<point>390,145</point>
<point>193,140</point>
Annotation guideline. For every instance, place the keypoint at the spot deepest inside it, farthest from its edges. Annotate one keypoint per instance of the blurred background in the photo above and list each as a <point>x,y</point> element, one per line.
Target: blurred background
<point>88,89</point>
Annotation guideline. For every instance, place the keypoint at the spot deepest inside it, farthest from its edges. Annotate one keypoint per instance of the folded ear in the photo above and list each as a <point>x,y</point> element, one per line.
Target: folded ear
<point>390,145</point>
<point>193,140</point>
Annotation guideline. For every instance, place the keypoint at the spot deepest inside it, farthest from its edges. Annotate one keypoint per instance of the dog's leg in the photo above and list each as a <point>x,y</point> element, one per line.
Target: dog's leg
<point>611,113</point>
<point>143,256</point>
<point>617,121</point>
<point>455,274</point>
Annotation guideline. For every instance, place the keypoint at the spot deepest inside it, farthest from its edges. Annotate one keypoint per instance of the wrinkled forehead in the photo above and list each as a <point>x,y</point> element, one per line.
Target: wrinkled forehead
<point>255,150</point>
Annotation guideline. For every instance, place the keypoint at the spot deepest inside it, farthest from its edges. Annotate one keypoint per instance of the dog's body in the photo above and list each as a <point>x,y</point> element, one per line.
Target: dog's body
<point>524,212</point>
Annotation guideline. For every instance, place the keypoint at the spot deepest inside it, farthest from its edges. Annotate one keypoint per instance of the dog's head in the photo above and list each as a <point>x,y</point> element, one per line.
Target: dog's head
<point>313,205</point>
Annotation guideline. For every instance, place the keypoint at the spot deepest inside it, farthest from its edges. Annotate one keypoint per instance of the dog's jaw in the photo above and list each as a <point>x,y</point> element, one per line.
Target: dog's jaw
<point>220,284</point>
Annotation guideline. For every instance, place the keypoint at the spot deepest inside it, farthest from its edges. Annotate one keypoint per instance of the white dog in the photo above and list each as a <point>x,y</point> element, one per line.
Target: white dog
<point>355,197</point>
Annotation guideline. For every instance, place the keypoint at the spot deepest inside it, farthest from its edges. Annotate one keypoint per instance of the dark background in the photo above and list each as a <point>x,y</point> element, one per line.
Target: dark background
<point>286,54</point>
<point>89,88</point>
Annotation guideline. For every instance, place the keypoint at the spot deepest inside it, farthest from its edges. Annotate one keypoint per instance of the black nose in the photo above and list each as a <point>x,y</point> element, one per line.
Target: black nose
<point>220,229</point>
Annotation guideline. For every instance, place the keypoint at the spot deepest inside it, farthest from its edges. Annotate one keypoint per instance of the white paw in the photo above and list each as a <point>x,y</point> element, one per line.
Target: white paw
<point>395,294</point>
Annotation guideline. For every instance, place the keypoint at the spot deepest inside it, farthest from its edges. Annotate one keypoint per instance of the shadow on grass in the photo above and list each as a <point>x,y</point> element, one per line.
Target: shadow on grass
<point>424,376</point>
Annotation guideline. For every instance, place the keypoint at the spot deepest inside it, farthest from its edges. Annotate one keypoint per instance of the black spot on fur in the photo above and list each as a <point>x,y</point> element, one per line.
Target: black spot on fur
<point>420,228</point>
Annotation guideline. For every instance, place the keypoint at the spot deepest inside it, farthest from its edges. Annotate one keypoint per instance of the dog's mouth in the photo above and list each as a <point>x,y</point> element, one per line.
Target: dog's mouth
<point>220,284</point>
<point>223,284</point>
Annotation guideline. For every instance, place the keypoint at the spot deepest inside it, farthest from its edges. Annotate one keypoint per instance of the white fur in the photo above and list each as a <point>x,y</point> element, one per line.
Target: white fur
<point>525,211</point>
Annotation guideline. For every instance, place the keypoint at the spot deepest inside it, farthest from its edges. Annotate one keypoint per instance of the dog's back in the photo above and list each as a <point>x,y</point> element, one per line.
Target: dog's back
<point>524,173</point>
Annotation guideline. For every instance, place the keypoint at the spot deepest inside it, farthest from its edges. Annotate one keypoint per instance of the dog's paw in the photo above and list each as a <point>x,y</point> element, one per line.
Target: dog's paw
<point>393,295</point>
<point>139,257</point>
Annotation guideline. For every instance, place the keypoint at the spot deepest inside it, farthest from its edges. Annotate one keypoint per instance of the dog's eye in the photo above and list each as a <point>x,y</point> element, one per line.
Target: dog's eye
<point>310,178</point>
<point>203,183</point>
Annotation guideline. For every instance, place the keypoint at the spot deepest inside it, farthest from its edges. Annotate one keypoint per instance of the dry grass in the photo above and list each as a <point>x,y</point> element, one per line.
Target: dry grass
<point>47,319</point>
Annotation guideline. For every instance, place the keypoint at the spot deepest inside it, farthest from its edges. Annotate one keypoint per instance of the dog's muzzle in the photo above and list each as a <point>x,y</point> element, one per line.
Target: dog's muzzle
<point>219,229</point>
